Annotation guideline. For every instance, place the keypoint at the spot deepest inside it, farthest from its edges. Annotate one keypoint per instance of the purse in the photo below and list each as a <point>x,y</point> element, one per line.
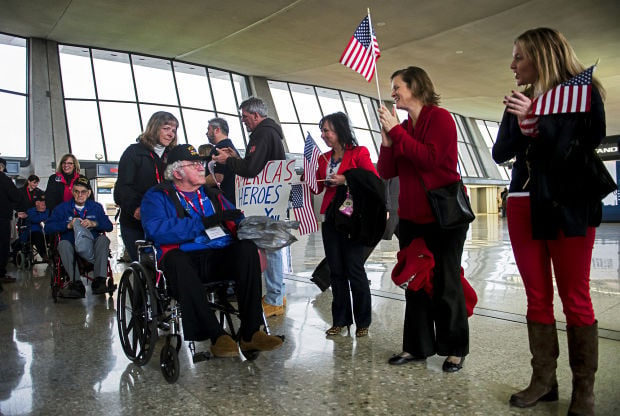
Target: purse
<point>450,205</point>
<point>347,205</point>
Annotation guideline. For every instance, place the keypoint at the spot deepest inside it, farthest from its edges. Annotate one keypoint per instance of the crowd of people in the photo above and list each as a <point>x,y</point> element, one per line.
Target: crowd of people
<point>166,194</point>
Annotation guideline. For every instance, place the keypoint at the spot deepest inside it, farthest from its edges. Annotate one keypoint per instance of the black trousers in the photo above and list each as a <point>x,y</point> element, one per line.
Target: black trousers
<point>437,324</point>
<point>187,271</point>
<point>348,278</point>
<point>5,243</point>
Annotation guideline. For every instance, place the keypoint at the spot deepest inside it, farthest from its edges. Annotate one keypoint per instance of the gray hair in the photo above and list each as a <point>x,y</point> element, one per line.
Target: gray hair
<point>254,105</point>
<point>174,167</point>
<point>219,123</point>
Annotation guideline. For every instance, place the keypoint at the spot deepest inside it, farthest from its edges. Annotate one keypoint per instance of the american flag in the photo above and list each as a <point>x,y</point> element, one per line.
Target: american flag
<point>311,163</point>
<point>572,96</point>
<point>302,208</point>
<point>362,51</point>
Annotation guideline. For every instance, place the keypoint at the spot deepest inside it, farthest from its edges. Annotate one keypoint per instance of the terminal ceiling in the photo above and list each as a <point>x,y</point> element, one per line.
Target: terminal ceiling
<point>465,46</point>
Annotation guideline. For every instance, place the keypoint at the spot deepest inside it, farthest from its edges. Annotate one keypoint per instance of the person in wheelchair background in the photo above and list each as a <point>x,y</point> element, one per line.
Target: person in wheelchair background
<point>90,215</point>
<point>194,230</point>
<point>37,215</point>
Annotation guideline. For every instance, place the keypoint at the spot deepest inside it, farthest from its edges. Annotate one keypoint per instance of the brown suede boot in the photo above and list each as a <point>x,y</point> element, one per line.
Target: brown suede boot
<point>583,359</point>
<point>545,350</point>
<point>261,342</point>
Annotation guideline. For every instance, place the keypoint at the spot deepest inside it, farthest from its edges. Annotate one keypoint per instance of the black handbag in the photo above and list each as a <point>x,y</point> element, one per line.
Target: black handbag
<point>450,205</point>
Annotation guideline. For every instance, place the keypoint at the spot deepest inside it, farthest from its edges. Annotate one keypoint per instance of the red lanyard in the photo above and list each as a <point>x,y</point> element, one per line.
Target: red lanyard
<point>190,203</point>
<point>28,193</point>
<point>157,175</point>
<point>79,214</point>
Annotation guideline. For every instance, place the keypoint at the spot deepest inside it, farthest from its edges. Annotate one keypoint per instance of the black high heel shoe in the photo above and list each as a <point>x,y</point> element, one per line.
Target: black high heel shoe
<point>404,358</point>
<point>450,367</point>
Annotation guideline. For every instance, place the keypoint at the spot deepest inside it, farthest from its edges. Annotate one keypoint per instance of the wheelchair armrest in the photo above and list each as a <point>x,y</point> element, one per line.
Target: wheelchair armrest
<point>139,243</point>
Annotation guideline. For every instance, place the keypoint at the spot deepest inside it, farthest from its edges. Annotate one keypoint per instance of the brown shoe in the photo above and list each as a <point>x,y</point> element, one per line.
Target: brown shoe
<point>272,310</point>
<point>225,346</point>
<point>7,279</point>
<point>261,342</point>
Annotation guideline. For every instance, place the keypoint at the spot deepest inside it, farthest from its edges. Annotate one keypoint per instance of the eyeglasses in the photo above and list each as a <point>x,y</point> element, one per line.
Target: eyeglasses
<point>196,164</point>
<point>83,192</point>
<point>68,163</point>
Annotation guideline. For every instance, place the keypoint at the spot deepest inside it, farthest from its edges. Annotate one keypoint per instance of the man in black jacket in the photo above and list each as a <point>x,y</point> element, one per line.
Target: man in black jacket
<point>10,196</point>
<point>266,143</point>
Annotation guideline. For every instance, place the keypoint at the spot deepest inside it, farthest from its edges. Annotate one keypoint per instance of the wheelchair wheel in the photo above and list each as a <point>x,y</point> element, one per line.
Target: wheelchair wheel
<point>169,363</point>
<point>134,311</point>
<point>20,260</point>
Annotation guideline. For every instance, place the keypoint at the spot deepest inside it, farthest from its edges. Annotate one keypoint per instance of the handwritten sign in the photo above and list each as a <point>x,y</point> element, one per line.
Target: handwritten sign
<point>267,193</point>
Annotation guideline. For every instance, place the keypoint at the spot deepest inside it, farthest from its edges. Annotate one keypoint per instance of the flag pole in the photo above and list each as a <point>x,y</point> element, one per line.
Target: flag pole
<point>372,46</point>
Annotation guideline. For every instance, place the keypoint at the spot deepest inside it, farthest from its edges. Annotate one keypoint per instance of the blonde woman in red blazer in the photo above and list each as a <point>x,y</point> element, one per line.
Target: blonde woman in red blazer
<point>344,256</point>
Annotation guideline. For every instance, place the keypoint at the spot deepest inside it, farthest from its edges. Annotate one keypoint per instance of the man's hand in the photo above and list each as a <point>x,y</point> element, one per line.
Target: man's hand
<point>223,154</point>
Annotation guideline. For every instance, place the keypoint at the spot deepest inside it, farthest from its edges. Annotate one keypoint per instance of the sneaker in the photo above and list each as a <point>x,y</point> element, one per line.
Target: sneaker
<point>225,346</point>
<point>73,291</point>
<point>261,342</point>
<point>273,310</point>
<point>78,286</point>
<point>99,285</point>
<point>7,279</point>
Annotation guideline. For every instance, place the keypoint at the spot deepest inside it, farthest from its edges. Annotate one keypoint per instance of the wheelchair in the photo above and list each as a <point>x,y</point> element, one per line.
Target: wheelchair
<point>24,250</point>
<point>59,279</point>
<point>145,303</point>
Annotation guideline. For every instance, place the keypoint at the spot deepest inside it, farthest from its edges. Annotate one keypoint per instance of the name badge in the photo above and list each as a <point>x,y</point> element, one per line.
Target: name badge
<point>215,232</point>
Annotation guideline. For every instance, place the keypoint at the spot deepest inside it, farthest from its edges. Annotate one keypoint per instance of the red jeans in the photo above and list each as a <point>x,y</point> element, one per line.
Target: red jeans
<point>570,257</point>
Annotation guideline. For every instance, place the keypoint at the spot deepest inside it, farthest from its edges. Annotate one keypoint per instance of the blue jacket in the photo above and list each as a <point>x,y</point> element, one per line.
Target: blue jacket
<point>35,218</point>
<point>65,212</point>
<point>171,223</point>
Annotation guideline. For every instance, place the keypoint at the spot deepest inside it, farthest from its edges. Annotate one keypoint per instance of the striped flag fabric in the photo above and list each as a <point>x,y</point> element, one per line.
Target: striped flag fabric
<point>302,208</point>
<point>311,163</point>
<point>572,96</point>
<point>362,51</point>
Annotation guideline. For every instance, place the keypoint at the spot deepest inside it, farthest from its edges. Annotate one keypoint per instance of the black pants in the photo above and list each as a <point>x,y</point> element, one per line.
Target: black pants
<point>437,324</point>
<point>346,265</point>
<point>5,243</point>
<point>187,271</point>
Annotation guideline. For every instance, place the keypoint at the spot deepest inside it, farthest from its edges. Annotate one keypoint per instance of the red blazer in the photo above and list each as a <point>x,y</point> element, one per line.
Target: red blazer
<point>354,157</point>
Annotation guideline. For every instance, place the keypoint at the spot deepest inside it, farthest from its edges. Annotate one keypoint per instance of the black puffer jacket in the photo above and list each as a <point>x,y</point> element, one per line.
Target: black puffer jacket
<point>138,170</point>
<point>367,223</point>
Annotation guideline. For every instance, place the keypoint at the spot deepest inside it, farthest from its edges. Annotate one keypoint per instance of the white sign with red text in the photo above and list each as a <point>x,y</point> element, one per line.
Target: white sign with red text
<point>266,194</point>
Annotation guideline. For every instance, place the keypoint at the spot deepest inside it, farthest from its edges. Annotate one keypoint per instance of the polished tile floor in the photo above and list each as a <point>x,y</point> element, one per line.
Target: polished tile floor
<point>65,358</point>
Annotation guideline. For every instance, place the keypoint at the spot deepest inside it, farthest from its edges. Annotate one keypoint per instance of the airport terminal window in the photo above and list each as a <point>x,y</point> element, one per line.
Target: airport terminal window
<point>110,96</point>
<point>13,97</point>
<point>300,108</point>
<point>489,130</point>
<point>469,163</point>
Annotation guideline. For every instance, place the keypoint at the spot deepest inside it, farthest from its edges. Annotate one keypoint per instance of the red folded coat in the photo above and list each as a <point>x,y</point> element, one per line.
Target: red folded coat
<point>414,271</point>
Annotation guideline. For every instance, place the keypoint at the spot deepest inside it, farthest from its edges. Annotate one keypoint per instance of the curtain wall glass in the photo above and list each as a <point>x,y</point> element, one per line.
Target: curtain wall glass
<point>110,96</point>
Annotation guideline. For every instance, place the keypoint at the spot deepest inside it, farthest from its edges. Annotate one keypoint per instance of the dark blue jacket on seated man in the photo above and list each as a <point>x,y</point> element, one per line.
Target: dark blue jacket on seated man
<point>90,215</point>
<point>194,229</point>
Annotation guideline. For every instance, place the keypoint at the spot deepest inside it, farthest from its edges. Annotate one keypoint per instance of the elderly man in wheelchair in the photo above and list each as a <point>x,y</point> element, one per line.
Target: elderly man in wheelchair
<point>65,219</point>
<point>194,230</point>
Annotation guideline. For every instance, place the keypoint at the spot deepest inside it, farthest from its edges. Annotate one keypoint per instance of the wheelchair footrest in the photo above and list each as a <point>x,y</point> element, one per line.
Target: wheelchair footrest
<point>201,356</point>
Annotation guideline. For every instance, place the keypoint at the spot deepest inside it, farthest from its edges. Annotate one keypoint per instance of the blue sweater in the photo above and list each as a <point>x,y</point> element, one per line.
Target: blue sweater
<point>65,212</point>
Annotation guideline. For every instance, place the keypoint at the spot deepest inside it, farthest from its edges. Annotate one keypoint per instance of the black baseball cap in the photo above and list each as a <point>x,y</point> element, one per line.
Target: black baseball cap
<point>83,181</point>
<point>183,152</point>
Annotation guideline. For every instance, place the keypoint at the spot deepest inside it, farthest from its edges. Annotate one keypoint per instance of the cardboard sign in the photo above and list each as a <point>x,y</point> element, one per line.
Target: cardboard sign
<point>266,194</point>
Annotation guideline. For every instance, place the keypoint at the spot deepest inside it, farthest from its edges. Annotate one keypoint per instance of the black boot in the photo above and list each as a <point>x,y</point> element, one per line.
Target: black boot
<point>583,359</point>
<point>545,350</point>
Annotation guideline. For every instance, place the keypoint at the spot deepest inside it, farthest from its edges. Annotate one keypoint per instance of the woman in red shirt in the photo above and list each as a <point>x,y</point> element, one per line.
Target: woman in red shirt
<point>423,152</point>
